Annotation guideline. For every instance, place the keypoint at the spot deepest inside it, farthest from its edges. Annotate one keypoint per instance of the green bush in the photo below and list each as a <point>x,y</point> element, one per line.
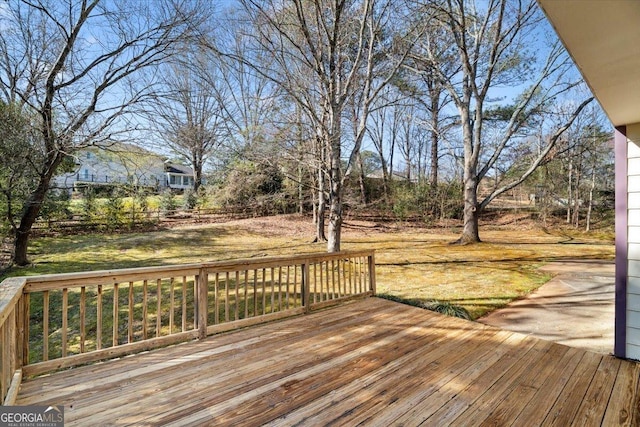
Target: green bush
<point>168,201</point>
<point>190,199</point>
<point>89,205</point>
<point>56,206</point>
<point>442,307</point>
<point>114,211</point>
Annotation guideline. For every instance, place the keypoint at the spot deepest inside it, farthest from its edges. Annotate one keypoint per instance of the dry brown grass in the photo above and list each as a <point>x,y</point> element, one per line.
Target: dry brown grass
<point>411,262</point>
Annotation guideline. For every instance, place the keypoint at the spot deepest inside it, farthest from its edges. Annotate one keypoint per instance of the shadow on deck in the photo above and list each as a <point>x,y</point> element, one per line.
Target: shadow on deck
<point>372,361</point>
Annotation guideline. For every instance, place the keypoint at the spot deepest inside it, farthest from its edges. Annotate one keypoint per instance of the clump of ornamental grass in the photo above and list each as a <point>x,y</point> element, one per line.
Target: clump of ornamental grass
<point>442,307</point>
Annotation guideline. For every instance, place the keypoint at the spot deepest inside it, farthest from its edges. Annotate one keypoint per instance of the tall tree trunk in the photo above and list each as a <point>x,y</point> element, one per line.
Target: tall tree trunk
<point>335,186</point>
<point>433,173</point>
<point>471,135</point>
<point>321,209</point>
<point>435,94</point>
<point>576,196</point>
<point>570,191</point>
<point>335,218</point>
<point>590,206</point>
<point>471,213</point>
<point>300,189</point>
<point>361,180</point>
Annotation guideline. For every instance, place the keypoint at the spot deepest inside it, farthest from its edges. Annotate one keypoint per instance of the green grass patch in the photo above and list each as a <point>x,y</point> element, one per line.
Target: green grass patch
<point>410,263</point>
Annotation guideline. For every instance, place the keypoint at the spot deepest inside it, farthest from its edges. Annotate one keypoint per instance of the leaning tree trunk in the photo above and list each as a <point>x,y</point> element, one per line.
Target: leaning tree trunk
<point>32,209</point>
<point>29,216</point>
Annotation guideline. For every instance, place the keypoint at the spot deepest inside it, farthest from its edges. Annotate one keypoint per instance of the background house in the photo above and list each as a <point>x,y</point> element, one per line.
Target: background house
<point>124,164</point>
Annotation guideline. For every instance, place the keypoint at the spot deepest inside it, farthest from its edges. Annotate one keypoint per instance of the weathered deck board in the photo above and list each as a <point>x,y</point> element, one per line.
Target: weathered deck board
<point>373,362</point>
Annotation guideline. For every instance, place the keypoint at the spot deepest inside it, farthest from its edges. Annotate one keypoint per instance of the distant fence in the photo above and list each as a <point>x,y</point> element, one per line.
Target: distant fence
<point>57,321</point>
<point>133,218</point>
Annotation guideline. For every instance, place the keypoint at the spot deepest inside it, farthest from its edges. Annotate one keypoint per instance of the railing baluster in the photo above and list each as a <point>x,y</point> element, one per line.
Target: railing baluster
<point>326,269</point>
<point>27,329</point>
<point>280,288</point>
<point>145,310</point>
<point>315,282</point>
<point>45,325</point>
<point>196,281</point>
<point>255,292</point>
<point>217,299</point>
<point>131,308</point>
<point>273,289</point>
<point>333,278</point>
<point>372,272</point>
<point>246,294</point>
<point>295,285</point>
<point>158,307</point>
<point>65,315</point>
<point>237,300</point>
<point>359,273</point>
<point>83,332</point>
<point>99,318</point>
<point>6,370</point>
<point>264,293</point>
<point>116,295</point>
<point>305,286</point>
<point>287,290</point>
<point>184,303</point>
<point>352,283</point>
<point>171,304</point>
<point>226,297</point>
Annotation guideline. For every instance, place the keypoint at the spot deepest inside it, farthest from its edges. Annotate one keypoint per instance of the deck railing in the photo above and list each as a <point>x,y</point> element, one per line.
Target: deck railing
<point>57,321</point>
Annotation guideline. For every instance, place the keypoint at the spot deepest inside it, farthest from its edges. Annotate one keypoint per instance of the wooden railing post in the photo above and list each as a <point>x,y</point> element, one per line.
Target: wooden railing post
<point>372,273</point>
<point>203,283</point>
<point>305,287</point>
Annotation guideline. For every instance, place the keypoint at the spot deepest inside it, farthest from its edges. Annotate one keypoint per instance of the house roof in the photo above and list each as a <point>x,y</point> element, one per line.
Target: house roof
<point>603,37</point>
<point>178,169</point>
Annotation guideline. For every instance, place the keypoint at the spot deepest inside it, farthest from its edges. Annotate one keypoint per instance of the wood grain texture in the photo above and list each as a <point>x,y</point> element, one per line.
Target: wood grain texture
<point>368,362</point>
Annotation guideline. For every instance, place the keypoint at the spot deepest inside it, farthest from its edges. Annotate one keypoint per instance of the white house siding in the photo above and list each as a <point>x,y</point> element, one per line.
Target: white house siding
<point>633,242</point>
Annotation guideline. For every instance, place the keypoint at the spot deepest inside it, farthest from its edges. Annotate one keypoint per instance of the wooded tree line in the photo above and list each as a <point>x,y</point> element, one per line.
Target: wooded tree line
<point>445,94</point>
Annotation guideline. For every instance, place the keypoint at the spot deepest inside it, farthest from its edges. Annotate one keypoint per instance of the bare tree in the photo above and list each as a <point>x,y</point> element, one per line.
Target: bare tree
<point>189,114</point>
<point>326,53</point>
<point>490,43</point>
<point>73,64</point>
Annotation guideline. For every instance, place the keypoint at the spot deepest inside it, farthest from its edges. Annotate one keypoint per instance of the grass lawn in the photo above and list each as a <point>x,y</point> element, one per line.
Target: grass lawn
<point>410,262</point>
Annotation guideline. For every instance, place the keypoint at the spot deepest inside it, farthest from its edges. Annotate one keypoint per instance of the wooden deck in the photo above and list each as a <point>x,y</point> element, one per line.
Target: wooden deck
<point>371,362</point>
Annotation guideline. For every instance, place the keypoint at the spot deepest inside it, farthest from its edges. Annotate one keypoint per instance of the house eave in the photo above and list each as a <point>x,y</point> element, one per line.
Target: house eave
<point>603,38</point>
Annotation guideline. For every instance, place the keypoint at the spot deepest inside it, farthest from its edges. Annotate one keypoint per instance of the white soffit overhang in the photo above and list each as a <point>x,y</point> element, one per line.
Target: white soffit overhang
<point>603,37</point>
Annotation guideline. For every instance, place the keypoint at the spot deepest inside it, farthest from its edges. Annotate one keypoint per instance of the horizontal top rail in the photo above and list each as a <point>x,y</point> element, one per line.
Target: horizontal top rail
<point>51,281</point>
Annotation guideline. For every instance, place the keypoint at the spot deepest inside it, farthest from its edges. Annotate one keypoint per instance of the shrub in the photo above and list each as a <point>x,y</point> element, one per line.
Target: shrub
<point>168,202</point>
<point>114,210</point>
<point>190,199</point>
<point>445,307</point>
<point>442,307</point>
<point>89,204</point>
